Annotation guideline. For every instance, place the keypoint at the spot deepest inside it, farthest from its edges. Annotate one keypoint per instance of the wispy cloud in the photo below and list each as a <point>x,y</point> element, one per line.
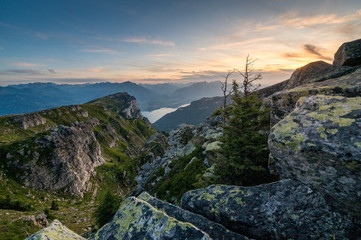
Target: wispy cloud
<point>101,50</point>
<point>6,25</point>
<point>143,40</point>
<point>41,36</point>
<point>52,71</point>
<point>24,64</point>
<point>22,71</point>
<point>160,55</point>
<point>292,19</point>
<point>96,69</point>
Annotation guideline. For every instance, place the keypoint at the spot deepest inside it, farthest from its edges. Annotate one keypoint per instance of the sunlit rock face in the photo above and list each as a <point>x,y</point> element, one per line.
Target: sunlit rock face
<point>349,54</point>
<point>319,144</point>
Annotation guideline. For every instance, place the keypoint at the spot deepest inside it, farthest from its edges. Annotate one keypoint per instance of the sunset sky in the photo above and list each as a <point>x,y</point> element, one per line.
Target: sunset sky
<point>80,41</point>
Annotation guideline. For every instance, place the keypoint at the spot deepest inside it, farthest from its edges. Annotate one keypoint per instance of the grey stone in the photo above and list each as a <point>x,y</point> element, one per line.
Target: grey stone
<point>319,144</point>
<point>137,219</point>
<point>56,231</point>
<point>280,210</point>
<point>214,230</point>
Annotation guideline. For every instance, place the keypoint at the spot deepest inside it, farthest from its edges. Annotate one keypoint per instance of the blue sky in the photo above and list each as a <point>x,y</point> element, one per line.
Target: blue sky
<point>79,41</point>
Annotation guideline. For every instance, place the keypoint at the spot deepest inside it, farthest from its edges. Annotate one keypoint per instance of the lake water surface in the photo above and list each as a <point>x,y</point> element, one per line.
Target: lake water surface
<point>154,115</point>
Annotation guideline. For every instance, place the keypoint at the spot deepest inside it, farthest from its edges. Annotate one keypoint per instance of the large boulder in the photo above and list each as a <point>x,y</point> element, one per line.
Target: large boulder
<point>280,210</point>
<point>349,54</point>
<point>309,73</point>
<point>56,231</point>
<point>137,219</point>
<point>319,144</point>
<point>214,230</point>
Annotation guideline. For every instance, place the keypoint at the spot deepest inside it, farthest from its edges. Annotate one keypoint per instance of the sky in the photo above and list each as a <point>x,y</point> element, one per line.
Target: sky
<point>179,41</point>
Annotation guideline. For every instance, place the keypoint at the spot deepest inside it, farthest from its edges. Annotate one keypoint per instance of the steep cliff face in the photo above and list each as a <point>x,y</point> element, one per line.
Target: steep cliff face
<point>73,155</point>
<point>59,149</point>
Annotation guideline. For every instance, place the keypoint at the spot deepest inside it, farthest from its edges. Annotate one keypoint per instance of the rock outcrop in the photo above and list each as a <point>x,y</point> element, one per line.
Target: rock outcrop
<point>56,231</point>
<point>137,219</point>
<point>29,120</point>
<point>280,210</point>
<point>349,54</point>
<point>178,145</point>
<point>315,72</point>
<point>283,102</point>
<point>121,103</point>
<point>73,154</point>
<point>214,230</point>
<point>319,144</point>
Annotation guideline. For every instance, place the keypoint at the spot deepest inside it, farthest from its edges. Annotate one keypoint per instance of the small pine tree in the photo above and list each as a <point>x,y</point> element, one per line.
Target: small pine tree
<point>244,152</point>
<point>106,209</point>
<point>243,157</point>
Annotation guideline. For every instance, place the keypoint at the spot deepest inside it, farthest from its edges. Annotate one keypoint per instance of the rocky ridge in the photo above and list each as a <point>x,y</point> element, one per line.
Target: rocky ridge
<point>60,148</point>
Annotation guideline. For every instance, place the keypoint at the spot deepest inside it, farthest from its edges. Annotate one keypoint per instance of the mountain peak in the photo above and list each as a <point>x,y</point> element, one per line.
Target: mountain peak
<point>120,103</point>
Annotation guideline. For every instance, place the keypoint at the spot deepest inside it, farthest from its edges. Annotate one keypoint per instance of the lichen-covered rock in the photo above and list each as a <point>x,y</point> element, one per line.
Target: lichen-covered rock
<point>349,54</point>
<point>72,154</point>
<point>56,231</point>
<point>213,146</point>
<point>214,230</point>
<point>137,219</point>
<point>280,210</point>
<point>319,144</point>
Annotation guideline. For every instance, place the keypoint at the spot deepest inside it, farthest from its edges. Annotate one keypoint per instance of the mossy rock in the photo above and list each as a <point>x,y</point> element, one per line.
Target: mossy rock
<point>281,210</point>
<point>318,144</point>
<point>137,219</point>
<point>56,231</point>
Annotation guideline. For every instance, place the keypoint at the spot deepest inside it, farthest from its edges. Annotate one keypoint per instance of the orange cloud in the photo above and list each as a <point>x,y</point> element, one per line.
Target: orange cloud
<point>24,64</point>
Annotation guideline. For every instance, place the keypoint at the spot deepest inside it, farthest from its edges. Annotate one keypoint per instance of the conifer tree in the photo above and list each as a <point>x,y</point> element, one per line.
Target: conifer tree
<point>244,153</point>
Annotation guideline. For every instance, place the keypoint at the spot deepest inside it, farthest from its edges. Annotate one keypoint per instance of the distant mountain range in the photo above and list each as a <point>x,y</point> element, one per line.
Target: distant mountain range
<point>24,98</point>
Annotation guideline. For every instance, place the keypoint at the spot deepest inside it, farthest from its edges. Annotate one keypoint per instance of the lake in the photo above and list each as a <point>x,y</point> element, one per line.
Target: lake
<point>154,115</point>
